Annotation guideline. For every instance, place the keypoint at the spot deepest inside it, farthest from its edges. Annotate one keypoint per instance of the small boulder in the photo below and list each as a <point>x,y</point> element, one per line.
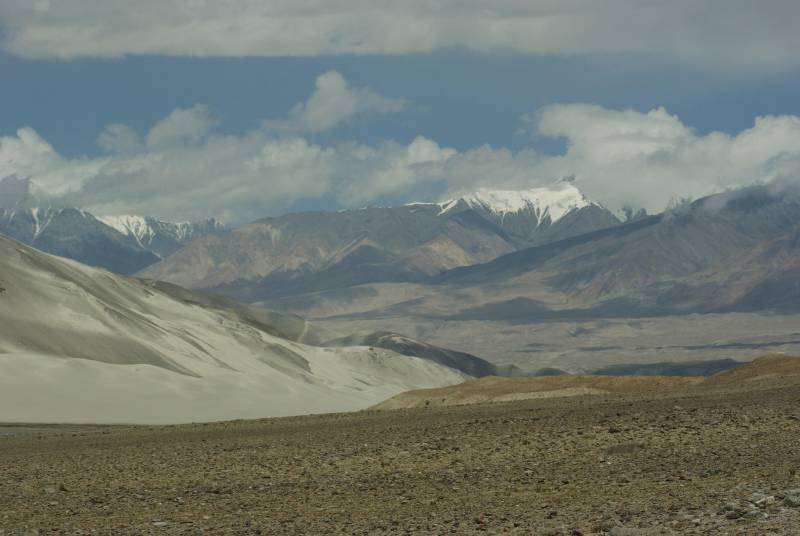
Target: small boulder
<point>791,498</point>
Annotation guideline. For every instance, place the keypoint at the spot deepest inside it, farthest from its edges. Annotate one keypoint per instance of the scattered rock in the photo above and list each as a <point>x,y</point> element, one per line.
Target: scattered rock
<point>625,448</point>
<point>792,498</point>
<point>766,501</point>
<point>624,531</point>
<point>733,510</point>
<point>761,500</point>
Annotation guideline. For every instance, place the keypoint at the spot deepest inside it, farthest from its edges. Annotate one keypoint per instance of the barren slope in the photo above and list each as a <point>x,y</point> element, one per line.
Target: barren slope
<point>80,344</point>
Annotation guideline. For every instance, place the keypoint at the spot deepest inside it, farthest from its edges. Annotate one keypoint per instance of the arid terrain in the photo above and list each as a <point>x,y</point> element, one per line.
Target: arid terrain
<point>711,457</point>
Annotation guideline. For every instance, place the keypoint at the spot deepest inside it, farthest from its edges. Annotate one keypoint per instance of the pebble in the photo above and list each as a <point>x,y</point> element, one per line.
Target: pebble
<point>624,531</point>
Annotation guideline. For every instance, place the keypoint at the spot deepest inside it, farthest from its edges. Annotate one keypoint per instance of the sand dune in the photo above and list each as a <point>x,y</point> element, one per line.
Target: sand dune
<point>80,344</point>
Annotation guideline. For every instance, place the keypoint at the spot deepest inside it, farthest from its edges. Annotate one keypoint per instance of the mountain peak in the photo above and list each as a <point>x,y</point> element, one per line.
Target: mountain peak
<point>131,225</point>
<point>553,202</point>
<point>162,237</point>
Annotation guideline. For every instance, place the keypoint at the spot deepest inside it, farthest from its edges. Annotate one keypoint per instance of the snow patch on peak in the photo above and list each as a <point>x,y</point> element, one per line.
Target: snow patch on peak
<point>554,201</point>
<point>129,225</point>
<point>146,229</point>
<point>446,206</point>
<point>41,219</point>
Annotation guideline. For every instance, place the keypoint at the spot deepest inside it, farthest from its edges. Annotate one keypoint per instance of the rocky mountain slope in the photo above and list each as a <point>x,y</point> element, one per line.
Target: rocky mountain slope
<point>162,237</point>
<point>80,344</point>
<point>738,250</point>
<point>124,244</point>
<point>313,251</point>
<point>75,234</point>
<point>719,253</point>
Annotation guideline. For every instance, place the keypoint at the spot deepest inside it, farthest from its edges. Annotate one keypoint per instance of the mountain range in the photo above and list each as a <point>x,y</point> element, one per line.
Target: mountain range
<point>716,278</point>
<point>315,251</point>
<point>731,251</point>
<point>544,253</point>
<point>538,266</point>
<point>123,244</point>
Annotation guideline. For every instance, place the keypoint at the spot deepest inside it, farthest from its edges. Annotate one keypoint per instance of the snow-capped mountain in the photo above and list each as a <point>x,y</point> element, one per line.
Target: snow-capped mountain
<point>313,251</point>
<point>161,237</point>
<point>75,234</point>
<point>546,204</point>
<point>123,244</point>
<point>534,215</point>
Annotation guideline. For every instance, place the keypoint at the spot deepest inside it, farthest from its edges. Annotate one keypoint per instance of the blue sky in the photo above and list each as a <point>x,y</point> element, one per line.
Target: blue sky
<point>664,82</point>
<point>461,99</point>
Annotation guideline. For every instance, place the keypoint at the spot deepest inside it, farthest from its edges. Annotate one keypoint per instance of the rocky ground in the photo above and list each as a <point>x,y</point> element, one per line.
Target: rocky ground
<point>722,460</point>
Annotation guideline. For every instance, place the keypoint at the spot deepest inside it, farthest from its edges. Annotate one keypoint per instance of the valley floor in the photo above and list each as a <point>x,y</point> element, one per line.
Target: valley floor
<point>585,345</point>
<point>685,462</point>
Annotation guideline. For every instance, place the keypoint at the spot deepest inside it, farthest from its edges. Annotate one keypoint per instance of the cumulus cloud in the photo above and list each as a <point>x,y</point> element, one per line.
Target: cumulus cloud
<point>119,138</point>
<point>27,155</point>
<point>185,169</point>
<point>332,103</point>
<point>733,33</point>
<point>391,169</point>
<point>182,126</point>
<point>647,159</point>
<point>235,178</point>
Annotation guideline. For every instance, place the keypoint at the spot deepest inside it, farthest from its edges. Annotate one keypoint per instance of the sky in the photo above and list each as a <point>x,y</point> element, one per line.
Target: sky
<point>240,109</point>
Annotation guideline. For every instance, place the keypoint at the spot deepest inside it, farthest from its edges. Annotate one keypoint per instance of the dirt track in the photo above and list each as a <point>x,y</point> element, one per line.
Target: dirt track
<point>682,463</point>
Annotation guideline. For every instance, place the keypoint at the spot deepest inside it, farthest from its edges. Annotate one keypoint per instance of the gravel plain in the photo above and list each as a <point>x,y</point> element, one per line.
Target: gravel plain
<point>717,460</point>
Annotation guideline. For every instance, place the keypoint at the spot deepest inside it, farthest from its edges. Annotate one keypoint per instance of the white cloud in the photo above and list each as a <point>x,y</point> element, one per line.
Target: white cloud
<point>734,33</point>
<point>119,138</point>
<point>332,103</point>
<point>235,178</point>
<point>182,126</point>
<point>27,155</point>
<point>391,169</point>
<point>646,159</point>
<point>185,170</point>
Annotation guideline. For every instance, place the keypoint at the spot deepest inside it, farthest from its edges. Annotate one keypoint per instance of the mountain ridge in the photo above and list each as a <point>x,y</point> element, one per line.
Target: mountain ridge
<point>323,250</point>
<point>124,244</point>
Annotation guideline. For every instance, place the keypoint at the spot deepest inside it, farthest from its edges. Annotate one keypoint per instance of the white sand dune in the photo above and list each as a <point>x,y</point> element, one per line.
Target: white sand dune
<point>80,344</point>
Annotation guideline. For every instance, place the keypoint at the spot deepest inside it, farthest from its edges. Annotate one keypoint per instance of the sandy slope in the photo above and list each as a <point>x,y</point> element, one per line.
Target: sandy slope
<point>79,344</point>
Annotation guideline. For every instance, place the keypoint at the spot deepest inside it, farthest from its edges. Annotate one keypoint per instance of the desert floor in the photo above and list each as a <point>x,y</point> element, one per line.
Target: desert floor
<point>689,461</point>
